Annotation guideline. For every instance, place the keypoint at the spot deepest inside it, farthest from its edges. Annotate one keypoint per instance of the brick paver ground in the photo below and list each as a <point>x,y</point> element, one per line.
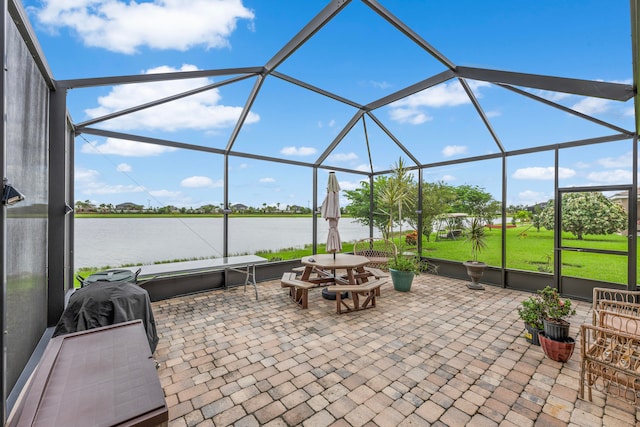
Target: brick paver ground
<point>438,355</point>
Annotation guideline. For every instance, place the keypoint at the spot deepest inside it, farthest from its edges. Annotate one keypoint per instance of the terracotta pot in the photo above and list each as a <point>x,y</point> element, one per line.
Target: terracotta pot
<point>560,351</point>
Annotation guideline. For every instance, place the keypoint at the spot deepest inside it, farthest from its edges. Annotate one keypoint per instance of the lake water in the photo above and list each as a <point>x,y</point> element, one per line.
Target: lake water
<point>117,241</point>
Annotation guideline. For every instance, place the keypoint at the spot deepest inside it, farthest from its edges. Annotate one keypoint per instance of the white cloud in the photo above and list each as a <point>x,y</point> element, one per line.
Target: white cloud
<point>202,111</point>
<point>102,188</point>
<point>529,197</point>
<point>83,175</point>
<point>88,182</point>
<point>582,165</point>
<point>348,185</point>
<point>448,178</point>
<point>121,147</point>
<point>201,182</point>
<point>551,96</point>
<point>493,113</point>
<point>410,109</point>
<point>617,176</point>
<point>124,167</point>
<point>409,115</point>
<point>592,106</point>
<point>452,150</point>
<point>443,95</point>
<point>164,193</point>
<point>125,27</point>
<point>331,123</point>
<point>343,157</point>
<point>380,85</point>
<point>542,173</point>
<point>298,151</point>
<point>624,160</point>
<point>266,179</point>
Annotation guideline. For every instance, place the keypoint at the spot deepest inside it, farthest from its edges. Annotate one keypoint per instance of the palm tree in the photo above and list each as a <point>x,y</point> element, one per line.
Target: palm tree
<point>396,194</point>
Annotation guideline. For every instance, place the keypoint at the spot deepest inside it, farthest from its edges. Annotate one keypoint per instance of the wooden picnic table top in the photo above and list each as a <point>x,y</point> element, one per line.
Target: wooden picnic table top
<point>341,261</point>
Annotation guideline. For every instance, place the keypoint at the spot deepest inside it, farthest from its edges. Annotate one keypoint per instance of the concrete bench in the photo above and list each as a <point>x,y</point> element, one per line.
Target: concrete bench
<point>368,290</point>
<point>298,289</point>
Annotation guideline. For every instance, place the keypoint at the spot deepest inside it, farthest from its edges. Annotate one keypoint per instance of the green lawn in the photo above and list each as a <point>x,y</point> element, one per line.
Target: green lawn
<point>527,249</point>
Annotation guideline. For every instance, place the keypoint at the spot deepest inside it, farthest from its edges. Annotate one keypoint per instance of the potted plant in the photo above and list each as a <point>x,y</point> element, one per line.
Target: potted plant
<point>554,339</point>
<point>393,196</point>
<point>476,237</point>
<point>556,327</point>
<point>402,269</point>
<point>532,312</point>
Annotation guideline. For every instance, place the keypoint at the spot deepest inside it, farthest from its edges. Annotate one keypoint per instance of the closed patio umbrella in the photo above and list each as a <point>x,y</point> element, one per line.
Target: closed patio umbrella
<point>330,211</point>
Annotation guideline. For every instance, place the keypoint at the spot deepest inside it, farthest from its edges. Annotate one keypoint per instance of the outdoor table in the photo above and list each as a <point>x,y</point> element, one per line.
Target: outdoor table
<point>245,264</point>
<point>100,377</point>
<point>325,266</point>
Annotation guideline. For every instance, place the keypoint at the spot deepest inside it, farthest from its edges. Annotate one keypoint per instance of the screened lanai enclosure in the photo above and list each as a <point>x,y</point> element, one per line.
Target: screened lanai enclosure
<point>459,108</point>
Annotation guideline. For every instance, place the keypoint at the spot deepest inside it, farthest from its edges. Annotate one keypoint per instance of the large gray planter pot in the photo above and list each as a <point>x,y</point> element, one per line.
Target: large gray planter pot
<point>475,270</point>
<point>402,280</point>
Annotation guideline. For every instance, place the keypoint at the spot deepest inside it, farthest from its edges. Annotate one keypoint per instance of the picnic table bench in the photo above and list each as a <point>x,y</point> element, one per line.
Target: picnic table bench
<point>368,290</point>
<point>298,289</point>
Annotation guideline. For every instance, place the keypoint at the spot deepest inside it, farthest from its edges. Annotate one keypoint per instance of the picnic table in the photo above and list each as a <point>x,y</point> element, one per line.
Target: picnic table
<point>320,270</point>
<point>325,267</point>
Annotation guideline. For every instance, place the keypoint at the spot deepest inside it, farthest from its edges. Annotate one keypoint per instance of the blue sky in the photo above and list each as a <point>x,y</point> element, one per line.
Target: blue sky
<point>358,56</point>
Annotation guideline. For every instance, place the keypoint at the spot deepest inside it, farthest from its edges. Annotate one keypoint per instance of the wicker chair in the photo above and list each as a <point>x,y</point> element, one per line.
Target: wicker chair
<point>610,347</point>
<point>610,356</point>
<point>615,300</point>
<point>377,250</point>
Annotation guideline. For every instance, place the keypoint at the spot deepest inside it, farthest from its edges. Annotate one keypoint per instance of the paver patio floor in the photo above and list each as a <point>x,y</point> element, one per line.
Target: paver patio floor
<point>438,355</point>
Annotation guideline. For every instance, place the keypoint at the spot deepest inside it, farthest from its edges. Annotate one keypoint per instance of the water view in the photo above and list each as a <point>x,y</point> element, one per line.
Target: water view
<point>117,241</point>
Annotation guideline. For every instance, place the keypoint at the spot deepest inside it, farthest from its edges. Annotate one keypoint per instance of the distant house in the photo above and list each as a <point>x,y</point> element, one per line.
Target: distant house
<point>84,207</point>
<point>296,209</point>
<point>239,207</point>
<point>538,207</point>
<point>622,199</point>
<point>129,207</point>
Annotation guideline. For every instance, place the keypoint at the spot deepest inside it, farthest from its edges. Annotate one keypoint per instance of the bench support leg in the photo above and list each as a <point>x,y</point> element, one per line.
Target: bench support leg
<point>369,301</point>
<point>299,296</point>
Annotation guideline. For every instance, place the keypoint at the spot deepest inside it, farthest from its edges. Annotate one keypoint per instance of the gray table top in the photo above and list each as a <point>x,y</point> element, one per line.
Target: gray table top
<point>186,267</point>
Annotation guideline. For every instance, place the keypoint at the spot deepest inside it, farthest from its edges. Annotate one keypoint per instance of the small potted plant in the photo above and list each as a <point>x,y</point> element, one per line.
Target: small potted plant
<point>554,339</point>
<point>532,312</point>
<point>402,269</point>
<point>556,327</point>
<point>475,235</point>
